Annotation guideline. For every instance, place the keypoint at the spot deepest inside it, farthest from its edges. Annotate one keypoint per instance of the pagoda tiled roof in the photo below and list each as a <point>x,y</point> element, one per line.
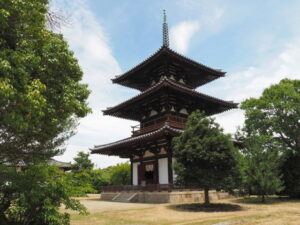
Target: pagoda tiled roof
<point>122,144</point>
<point>214,73</point>
<point>166,82</point>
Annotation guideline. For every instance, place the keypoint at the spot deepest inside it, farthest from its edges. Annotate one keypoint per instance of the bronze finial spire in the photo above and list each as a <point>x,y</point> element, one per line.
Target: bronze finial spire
<point>165,31</point>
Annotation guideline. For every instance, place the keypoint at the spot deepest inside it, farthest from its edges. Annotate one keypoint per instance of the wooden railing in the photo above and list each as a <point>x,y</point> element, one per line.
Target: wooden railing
<point>174,121</point>
<point>176,124</point>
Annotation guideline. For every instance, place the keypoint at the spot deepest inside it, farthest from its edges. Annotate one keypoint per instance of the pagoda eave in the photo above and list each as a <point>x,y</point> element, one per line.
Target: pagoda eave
<point>125,109</point>
<point>122,147</point>
<point>197,73</point>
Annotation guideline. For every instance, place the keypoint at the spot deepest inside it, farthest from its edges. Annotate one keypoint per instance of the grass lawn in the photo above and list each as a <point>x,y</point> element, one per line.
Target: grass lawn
<point>235,211</point>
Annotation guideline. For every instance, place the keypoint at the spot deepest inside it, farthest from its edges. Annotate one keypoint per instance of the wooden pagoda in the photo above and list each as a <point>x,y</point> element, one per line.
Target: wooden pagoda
<point>167,81</point>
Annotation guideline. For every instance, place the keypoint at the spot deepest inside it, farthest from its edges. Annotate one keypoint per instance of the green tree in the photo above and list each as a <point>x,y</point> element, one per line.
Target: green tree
<point>81,174</point>
<point>41,99</point>
<point>120,174</point>
<point>40,94</point>
<point>34,196</point>
<point>261,170</point>
<point>88,180</point>
<point>276,113</point>
<point>83,181</point>
<point>291,175</point>
<point>112,175</point>
<point>82,162</point>
<point>100,178</point>
<point>205,156</point>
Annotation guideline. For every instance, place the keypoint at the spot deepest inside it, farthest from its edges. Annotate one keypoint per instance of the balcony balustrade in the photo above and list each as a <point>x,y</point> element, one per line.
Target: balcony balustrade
<point>171,120</point>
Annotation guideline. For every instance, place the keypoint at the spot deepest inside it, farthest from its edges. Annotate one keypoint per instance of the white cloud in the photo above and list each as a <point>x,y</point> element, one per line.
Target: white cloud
<point>205,16</point>
<point>230,120</point>
<point>90,44</point>
<point>181,34</point>
<point>251,81</point>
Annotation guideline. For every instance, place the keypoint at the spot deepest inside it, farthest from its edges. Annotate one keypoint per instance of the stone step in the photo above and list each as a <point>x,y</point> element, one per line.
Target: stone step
<point>124,196</point>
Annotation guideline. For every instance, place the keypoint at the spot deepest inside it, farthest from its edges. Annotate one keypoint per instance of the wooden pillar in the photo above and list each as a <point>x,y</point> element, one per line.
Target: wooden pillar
<point>140,168</point>
<point>156,152</point>
<point>139,173</point>
<point>156,169</point>
<point>170,171</point>
<point>131,171</point>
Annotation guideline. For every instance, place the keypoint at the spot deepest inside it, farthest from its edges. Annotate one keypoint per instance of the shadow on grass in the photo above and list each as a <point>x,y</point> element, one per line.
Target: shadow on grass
<point>199,207</point>
<point>269,201</point>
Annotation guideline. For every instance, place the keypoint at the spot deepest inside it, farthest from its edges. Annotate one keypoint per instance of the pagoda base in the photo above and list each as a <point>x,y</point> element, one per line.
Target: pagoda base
<point>175,196</point>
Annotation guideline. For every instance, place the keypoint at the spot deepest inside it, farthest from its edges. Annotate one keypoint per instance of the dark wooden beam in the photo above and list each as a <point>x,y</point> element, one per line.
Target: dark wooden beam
<point>170,167</point>
<point>131,172</point>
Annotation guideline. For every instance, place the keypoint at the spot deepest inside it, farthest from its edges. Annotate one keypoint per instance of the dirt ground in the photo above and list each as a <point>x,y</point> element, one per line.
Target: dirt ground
<point>94,204</point>
<point>251,211</point>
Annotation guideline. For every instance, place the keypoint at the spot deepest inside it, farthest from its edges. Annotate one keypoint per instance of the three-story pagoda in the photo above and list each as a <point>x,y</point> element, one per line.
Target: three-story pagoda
<point>167,81</point>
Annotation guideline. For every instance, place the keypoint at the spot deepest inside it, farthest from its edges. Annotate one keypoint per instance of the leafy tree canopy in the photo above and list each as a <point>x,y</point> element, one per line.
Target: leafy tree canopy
<point>82,174</point>
<point>34,196</point>
<point>120,174</point>
<point>82,162</point>
<point>100,178</point>
<point>41,99</point>
<point>276,113</point>
<point>205,156</point>
<point>261,170</point>
<point>40,94</point>
<point>112,175</point>
<point>290,170</point>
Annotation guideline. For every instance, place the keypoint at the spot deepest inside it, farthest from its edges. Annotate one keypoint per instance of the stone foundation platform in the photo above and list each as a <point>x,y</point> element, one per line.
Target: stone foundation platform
<point>162,196</point>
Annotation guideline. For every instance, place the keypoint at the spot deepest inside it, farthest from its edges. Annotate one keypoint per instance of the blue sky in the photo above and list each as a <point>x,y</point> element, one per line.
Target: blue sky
<point>256,42</point>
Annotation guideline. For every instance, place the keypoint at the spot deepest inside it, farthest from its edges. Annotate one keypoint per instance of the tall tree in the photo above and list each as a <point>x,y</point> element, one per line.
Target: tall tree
<point>276,113</point>
<point>261,168</point>
<point>82,162</point>
<point>41,99</point>
<point>41,96</point>
<point>205,156</point>
<point>82,174</point>
<point>290,170</point>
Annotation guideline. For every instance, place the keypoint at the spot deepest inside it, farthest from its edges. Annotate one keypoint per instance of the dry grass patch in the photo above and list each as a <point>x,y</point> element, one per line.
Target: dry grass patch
<point>274,212</point>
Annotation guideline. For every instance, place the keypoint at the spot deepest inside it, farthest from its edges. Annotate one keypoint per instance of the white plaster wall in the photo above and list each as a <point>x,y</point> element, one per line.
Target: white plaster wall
<point>135,173</point>
<point>174,174</point>
<point>163,171</point>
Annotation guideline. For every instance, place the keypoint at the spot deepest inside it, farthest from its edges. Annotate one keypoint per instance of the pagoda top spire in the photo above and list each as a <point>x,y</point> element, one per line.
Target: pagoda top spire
<point>165,31</point>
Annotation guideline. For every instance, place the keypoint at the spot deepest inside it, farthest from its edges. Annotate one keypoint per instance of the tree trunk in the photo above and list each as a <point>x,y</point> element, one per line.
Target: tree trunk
<point>206,196</point>
<point>263,200</point>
